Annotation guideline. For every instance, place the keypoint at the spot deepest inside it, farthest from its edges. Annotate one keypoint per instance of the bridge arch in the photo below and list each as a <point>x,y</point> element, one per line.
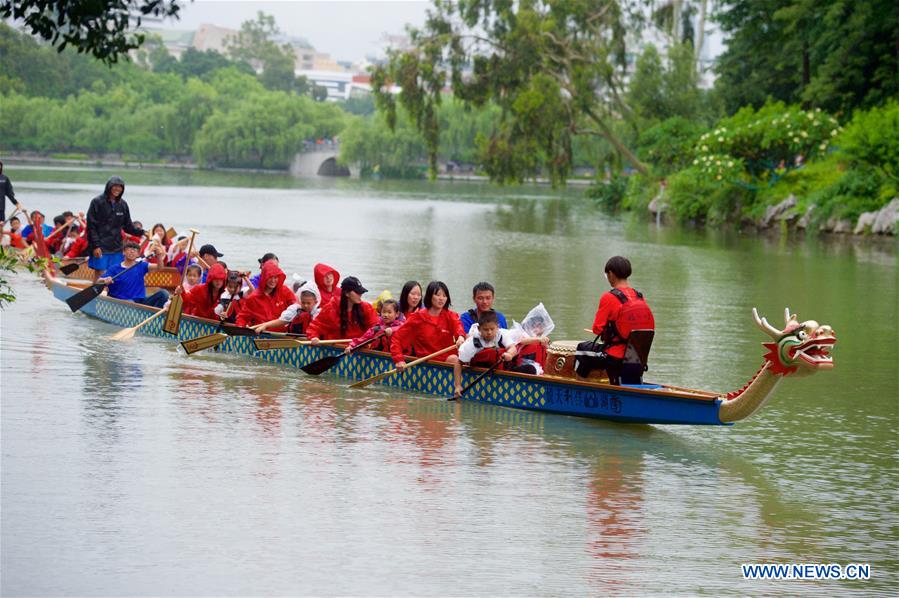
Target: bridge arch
<point>330,167</point>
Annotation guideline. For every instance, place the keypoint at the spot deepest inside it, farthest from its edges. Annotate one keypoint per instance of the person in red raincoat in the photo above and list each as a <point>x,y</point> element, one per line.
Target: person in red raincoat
<point>431,329</point>
<point>346,316</point>
<point>326,279</point>
<point>269,299</point>
<point>201,300</point>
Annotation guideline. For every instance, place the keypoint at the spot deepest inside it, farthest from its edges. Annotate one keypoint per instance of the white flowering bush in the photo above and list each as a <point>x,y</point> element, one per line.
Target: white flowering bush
<point>766,142</point>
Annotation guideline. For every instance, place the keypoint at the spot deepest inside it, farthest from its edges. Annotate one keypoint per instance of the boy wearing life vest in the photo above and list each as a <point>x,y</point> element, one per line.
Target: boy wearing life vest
<point>483,294</point>
<point>487,343</point>
<point>620,311</point>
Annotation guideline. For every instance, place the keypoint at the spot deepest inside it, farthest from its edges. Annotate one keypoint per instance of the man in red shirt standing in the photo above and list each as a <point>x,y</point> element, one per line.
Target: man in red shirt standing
<point>620,311</point>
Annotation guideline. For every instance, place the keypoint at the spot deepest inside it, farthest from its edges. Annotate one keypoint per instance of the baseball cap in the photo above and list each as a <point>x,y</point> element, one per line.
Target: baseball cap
<point>351,283</point>
<point>210,250</point>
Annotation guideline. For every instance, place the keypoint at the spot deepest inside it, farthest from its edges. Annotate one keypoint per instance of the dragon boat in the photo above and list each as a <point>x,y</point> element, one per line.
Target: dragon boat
<point>799,349</point>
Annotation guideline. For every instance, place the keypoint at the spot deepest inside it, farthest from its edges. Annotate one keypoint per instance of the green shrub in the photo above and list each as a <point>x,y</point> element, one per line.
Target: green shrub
<point>694,196</point>
<point>640,192</point>
<point>872,139</point>
<point>769,139</point>
<point>857,191</point>
<point>669,145</point>
<point>608,194</point>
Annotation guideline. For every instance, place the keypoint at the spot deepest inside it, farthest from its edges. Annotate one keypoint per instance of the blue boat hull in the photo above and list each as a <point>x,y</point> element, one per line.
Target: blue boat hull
<point>645,404</point>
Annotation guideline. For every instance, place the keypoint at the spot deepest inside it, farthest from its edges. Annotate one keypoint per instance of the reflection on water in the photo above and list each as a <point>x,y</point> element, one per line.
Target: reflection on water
<point>129,468</point>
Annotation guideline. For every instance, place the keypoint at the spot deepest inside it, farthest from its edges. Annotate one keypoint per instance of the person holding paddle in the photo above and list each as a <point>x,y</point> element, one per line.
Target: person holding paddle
<point>430,329</point>
<point>269,299</point>
<point>107,216</point>
<point>380,333</point>
<point>345,316</point>
<point>129,278</point>
<point>202,299</point>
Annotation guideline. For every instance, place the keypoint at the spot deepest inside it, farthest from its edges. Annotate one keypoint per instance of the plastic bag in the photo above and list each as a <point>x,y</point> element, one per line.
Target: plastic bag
<point>537,322</point>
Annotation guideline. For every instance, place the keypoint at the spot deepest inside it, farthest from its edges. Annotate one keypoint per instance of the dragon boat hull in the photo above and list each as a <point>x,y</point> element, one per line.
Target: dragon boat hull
<point>646,403</point>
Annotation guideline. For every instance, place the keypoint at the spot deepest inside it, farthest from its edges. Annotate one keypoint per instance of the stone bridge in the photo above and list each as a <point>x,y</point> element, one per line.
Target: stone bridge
<point>320,160</point>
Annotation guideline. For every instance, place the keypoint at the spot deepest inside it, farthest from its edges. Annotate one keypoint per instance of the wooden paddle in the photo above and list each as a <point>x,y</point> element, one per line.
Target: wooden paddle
<point>216,338</point>
<point>269,344</point>
<point>204,342</point>
<point>82,298</point>
<point>379,377</point>
<point>128,333</point>
<point>325,363</point>
<point>171,233</point>
<point>476,380</point>
<point>176,308</point>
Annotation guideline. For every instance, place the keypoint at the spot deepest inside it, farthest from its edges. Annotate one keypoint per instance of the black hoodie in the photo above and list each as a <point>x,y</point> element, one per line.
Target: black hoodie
<point>107,218</point>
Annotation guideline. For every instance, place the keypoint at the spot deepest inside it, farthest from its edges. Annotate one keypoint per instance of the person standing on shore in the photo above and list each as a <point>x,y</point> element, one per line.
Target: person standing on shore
<point>107,217</point>
<point>5,191</point>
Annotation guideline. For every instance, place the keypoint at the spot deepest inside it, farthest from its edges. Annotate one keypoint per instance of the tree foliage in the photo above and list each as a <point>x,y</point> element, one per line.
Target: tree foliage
<point>550,66</point>
<point>831,54</point>
<point>103,28</point>
<point>255,45</point>
<point>661,89</point>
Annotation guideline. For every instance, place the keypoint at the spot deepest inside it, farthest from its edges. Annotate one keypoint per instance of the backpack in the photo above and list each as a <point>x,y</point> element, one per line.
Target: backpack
<point>633,315</point>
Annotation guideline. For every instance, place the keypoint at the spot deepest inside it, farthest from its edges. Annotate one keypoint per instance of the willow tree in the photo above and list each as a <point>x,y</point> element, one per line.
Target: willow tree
<point>552,66</point>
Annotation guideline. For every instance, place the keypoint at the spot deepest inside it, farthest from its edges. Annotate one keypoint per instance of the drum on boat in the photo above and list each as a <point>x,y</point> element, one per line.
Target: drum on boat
<point>560,361</point>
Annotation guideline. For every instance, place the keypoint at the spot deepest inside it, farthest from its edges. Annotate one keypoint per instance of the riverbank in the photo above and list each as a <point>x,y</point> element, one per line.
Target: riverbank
<point>120,161</point>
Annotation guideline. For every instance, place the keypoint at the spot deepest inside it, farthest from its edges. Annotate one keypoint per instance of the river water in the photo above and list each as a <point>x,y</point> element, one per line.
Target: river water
<point>131,469</point>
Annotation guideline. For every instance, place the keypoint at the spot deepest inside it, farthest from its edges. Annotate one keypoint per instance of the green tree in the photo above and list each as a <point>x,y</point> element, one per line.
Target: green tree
<point>399,151</point>
<point>255,45</point>
<point>103,28</point>
<point>550,65</point>
<point>831,54</point>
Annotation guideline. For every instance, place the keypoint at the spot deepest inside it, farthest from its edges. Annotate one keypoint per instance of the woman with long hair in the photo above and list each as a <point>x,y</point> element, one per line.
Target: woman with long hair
<point>410,298</point>
<point>346,316</point>
<point>429,330</point>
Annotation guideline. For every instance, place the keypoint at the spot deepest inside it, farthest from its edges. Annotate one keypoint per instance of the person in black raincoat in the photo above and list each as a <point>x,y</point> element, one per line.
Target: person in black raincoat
<point>107,217</point>
<point>6,190</point>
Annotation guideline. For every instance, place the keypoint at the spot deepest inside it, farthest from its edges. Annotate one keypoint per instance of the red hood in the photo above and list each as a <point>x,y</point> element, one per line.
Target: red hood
<point>269,270</point>
<point>320,271</point>
<point>217,272</point>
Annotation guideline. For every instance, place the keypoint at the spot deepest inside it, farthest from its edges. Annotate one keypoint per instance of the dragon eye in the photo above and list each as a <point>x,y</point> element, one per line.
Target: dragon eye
<point>801,335</point>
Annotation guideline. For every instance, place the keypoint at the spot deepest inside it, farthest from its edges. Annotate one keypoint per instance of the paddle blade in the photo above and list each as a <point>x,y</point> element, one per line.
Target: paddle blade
<point>372,380</point>
<point>204,342</point>
<point>232,330</point>
<point>82,298</point>
<point>268,344</point>
<point>123,335</point>
<point>173,318</point>
<point>69,268</point>
<point>321,365</point>
<point>171,233</point>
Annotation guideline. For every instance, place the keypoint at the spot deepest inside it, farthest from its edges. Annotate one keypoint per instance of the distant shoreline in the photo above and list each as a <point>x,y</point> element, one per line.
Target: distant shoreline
<point>171,165</point>
<point>100,162</point>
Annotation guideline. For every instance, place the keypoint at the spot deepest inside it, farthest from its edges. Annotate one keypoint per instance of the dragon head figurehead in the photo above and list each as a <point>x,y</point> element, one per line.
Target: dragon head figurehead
<point>801,348</point>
